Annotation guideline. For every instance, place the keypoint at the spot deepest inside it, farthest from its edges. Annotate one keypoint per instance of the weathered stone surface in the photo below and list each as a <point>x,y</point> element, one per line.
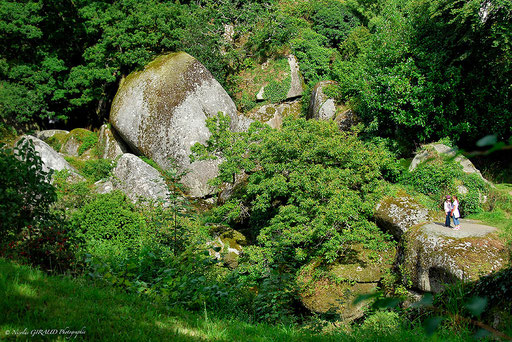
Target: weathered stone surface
<point>395,214</point>
<point>74,140</point>
<point>51,159</point>
<point>340,284</point>
<point>296,87</point>
<point>104,186</point>
<point>435,255</point>
<point>230,242</point>
<point>273,114</point>
<point>161,112</point>
<point>110,143</point>
<point>347,119</point>
<point>137,179</point>
<point>321,107</point>
<point>47,134</point>
<point>431,150</point>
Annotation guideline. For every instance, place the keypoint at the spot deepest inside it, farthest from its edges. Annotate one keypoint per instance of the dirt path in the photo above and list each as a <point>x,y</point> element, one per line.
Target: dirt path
<point>468,228</point>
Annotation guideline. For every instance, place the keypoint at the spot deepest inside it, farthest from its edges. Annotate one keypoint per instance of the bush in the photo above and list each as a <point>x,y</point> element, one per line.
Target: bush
<point>440,176</point>
<point>109,228</point>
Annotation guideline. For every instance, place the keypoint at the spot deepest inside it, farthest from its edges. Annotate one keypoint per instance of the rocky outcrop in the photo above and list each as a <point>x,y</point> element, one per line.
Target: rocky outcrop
<point>335,287</point>
<point>432,150</point>
<point>137,179</point>
<point>74,140</point>
<point>395,214</point>
<point>161,112</point>
<point>47,134</point>
<point>346,119</point>
<point>434,255</point>
<point>273,114</point>
<point>50,158</point>
<point>296,87</point>
<point>111,145</point>
<point>321,107</point>
<point>296,82</point>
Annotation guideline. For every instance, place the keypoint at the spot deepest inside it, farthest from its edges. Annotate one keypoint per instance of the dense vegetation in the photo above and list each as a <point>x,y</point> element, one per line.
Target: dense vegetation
<point>415,71</point>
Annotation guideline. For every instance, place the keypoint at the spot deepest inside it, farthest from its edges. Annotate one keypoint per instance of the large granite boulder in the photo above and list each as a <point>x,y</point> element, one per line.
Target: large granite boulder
<point>433,150</point>
<point>333,288</point>
<point>161,112</point>
<point>397,213</point>
<point>110,143</point>
<point>50,158</point>
<point>434,255</point>
<point>137,179</point>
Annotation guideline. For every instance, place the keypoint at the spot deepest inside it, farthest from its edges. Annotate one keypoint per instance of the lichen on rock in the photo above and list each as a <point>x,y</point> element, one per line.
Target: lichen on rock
<point>434,255</point>
<point>333,288</point>
<point>161,112</point>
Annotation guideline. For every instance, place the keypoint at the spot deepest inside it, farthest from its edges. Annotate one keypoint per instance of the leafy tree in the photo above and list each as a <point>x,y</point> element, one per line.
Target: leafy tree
<point>310,190</point>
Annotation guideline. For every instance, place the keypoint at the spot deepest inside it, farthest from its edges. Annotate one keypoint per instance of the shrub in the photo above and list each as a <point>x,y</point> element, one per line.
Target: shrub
<point>109,228</point>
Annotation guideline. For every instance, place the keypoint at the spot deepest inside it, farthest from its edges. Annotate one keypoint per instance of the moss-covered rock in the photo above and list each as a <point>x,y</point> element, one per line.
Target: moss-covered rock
<point>328,288</point>
<point>228,244</point>
<point>273,114</point>
<point>110,143</point>
<point>51,159</point>
<point>397,213</point>
<point>323,107</point>
<point>430,151</point>
<point>161,112</point>
<point>434,255</point>
<point>78,141</point>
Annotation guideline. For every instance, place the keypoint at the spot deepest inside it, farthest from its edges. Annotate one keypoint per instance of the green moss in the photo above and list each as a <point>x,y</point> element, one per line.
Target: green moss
<point>57,140</point>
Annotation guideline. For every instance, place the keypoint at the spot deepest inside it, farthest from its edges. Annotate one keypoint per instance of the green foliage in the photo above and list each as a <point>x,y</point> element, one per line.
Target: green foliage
<point>25,191</point>
<point>110,229</point>
<point>311,189</point>
<point>413,78</point>
<point>46,245</point>
<point>313,56</point>
<point>334,20</point>
<point>97,169</point>
<point>276,91</point>
<point>440,176</point>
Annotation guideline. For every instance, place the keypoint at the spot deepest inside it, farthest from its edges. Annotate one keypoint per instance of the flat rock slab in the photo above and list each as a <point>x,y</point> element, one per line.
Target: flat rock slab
<point>435,255</point>
<point>469,228</point>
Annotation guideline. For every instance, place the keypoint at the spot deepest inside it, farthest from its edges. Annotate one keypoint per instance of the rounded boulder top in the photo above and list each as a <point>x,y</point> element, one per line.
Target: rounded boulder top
<point>161,112</point>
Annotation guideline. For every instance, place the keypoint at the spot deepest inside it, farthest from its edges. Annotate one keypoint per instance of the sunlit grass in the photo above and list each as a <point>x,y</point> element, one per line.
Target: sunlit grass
<point>31,300</point>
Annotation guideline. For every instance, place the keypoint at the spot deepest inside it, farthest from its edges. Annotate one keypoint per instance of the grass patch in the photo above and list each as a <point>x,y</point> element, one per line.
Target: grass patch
<point>32,300</point>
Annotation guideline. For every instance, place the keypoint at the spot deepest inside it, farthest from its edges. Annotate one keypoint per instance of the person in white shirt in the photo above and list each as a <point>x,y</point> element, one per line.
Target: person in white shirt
<point>455,213</point>
<point>447,210</point>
